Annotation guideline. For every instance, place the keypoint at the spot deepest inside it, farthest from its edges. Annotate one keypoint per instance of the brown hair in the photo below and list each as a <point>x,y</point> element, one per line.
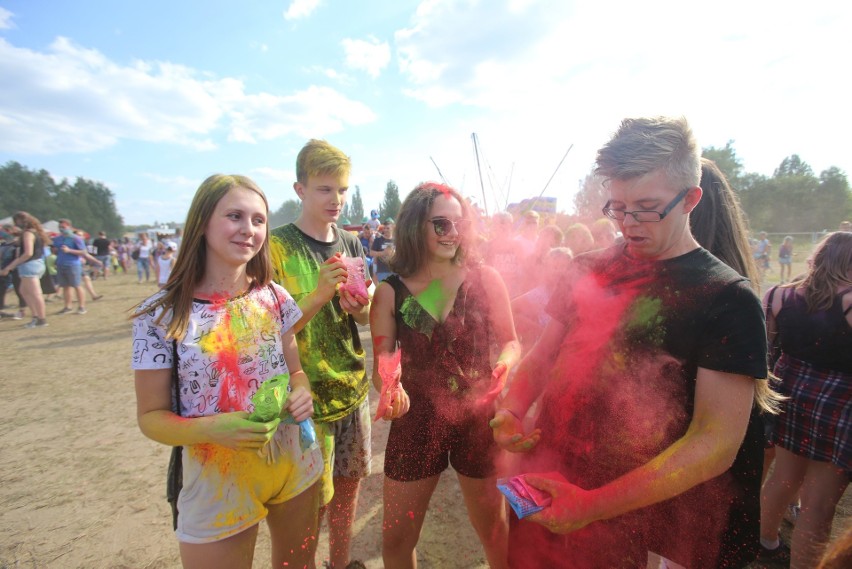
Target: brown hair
<point>191,264</point>
<point>719,224</point>
<point>832,264</point>
<point>411,252</point>
<point>31,223</point>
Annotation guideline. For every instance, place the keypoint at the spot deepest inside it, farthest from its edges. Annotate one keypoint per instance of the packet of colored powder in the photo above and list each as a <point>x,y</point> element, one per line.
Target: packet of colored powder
<point>269,402</point>
<point>390,370</point>
<point>269,398</point>
<point>355,283</point>
<point>524,499</point>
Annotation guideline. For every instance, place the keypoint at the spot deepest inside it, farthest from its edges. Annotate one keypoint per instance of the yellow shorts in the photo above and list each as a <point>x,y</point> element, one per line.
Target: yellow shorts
<point>226,491</point>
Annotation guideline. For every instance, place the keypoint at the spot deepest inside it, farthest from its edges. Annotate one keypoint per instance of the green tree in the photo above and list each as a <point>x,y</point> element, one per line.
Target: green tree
<point>391,204</point>
<point>89,205</point>
<point>356,210</point>
<point>287,213</point>
<point>793,166</point>
<point>728,162</point>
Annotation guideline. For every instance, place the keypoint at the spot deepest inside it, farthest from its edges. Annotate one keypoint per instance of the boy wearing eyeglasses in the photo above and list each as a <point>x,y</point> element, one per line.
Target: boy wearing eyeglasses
<point>647,439</point>
<point>309,258</point>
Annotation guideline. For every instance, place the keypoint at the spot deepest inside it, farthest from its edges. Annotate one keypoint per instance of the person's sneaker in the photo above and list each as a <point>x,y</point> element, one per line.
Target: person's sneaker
<point>36,323</point>
<point>97,298</point>
<point>779,557</point>
<point>18,316</point>
<point>31,323</point>
<point>66,311</point>
<point>81,310</point>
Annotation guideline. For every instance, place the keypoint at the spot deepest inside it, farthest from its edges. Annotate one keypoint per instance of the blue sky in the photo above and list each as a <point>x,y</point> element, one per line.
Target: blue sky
<point>152,97</point>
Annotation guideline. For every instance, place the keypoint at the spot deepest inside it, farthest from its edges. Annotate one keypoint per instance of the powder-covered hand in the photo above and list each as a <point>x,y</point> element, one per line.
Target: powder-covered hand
<point>236,431</point>
<point>509,432</point>
<point>499,376</point>
<point>570,508</point>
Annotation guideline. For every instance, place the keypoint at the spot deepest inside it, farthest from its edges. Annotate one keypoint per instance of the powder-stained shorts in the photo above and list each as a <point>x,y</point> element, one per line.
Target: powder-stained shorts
<point>226,491</point>
<point>421,446</point>
<point>345,448</point>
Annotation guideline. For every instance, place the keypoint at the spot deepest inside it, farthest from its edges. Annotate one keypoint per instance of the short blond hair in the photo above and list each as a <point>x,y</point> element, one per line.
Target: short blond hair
<point>318,157</point>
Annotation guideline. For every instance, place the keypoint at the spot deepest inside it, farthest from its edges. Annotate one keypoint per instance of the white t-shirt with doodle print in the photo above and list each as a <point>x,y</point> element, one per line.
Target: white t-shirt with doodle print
<point>231,347</point>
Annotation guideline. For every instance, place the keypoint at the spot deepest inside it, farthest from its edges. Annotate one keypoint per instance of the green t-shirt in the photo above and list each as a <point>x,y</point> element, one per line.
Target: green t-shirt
<point>329,345</point>
<point>50,264</point>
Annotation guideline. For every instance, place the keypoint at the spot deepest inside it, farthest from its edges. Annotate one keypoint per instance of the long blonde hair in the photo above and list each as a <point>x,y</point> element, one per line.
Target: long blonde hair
<point>830,270</point>
<point>191,263</point>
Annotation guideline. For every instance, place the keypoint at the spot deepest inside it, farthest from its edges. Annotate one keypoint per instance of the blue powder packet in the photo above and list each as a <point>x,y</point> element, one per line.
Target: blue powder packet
<point>522,506</point>
<point>307,433</point>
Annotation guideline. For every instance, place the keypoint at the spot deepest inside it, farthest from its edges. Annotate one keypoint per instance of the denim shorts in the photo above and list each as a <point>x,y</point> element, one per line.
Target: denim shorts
<point>69,275</point>
<point>33,269</point>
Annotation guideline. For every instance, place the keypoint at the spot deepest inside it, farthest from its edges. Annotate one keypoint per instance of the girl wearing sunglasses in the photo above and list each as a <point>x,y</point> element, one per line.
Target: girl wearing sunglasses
<point>446,312</point>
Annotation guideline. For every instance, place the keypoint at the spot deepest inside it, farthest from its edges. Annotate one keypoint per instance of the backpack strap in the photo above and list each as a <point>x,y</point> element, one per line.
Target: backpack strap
<point>174,477</point>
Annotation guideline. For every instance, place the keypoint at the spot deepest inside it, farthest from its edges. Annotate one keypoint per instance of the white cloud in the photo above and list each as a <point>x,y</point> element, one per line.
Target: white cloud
<point>6,19</point>
<point>275,174</point>
<point>72,99</point>
<point>315,111</point>
<point>371,55</point>
<point>555,73</point>
<point>300,9</point>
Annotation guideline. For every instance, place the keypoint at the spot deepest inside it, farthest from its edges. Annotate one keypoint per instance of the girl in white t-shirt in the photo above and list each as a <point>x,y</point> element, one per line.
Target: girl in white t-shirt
<point>223,328</point>
<point>165,263</point>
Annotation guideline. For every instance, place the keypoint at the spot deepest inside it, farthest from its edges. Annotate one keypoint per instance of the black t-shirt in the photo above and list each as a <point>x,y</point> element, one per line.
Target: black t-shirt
<point>622,391</point>
<point>380,243</point>
<point>101,245</point>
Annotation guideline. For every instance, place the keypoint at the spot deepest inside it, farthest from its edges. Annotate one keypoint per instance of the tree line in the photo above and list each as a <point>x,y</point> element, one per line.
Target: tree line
<point>793,199</point>
<point>353,210</point>
<point>88,204</point>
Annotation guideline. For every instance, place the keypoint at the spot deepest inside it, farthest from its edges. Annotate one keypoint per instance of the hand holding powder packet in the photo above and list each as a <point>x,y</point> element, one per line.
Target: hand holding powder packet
<point>524,499</point>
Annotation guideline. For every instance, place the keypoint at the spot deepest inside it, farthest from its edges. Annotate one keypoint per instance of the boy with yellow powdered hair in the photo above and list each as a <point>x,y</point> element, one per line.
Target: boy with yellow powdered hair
<point>308,256</point>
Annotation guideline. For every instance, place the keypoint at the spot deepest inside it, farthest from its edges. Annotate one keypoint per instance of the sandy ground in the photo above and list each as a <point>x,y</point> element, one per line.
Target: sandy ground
<point>81,487</point>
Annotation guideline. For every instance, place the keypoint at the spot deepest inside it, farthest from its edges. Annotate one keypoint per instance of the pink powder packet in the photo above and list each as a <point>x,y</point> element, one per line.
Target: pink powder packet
<point>523,488</point>
<point>355,283</point>
<point>390,370</point>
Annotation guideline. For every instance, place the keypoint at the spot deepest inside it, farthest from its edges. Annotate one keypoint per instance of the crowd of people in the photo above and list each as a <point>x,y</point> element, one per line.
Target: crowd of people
<point>623,373</point>
<point>41,267</point>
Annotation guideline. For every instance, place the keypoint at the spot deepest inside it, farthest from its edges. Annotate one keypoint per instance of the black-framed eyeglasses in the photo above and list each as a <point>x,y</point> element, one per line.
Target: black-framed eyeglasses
<point>641,215</point>
<point>442,225</point>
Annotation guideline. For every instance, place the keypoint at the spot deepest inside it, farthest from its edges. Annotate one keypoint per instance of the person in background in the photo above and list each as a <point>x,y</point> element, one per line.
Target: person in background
<point>527,233</point>
<point>366,238</point>
<point>785,259</point>
<point>165,263</point>
<point>142,253</point>
<point>29,262</point>
<point>812,318</point>
<point>503,254</point>
<point>382,250</point>
<point>69,266</point>
<point>579,239</point>
<point>103,252</point>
